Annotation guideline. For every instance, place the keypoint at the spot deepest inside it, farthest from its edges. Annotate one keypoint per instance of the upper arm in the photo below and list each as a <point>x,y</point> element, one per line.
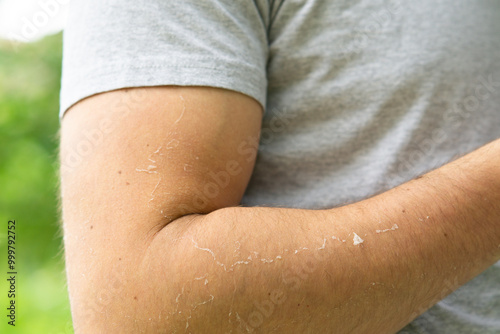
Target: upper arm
<point>132,161</point>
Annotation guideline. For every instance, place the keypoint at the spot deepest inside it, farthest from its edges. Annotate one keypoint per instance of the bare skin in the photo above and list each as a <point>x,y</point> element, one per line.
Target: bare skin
<point>154,241</point>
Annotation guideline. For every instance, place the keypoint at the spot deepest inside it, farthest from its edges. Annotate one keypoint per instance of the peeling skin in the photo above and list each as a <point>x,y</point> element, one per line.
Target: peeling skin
<point>278,257</point>
<point>177,298</point>
<point>379,283</point>
<point>187,321</point>
<point>357,239</point>
<point>324,244</point>
<point>248,260</point>
<point>194,308</point>
<point>172,144</point>
<point>226,269</point>
<point>152,167</point>
<point>187,315</point>
<point>393,228</point>
<point>152,170</point>
<point>243,256</point>
<point>183,109</point>
<point>154,189</point>
<point>254,256</point>
<point>298,250</point>
<point>249,330</point>
<point>203,303</point>
<point>200,278</point>
<point>211,253</point>
<point>237,249</point>
<point>335,238</point>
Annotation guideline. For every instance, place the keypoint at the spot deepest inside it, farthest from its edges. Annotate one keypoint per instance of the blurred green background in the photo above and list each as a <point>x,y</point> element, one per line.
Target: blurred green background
<point>29,124</point>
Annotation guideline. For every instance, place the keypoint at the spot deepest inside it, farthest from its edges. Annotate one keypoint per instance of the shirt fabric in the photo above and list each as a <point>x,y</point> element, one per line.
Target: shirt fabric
<point>359,96</point>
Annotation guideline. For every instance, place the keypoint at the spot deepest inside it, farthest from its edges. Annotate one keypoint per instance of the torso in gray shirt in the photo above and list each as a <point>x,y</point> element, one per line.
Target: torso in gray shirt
<point>364,95</point>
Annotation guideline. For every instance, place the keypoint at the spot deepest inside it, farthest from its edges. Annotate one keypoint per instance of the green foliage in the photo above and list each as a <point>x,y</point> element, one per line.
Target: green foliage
<point>29,102</point>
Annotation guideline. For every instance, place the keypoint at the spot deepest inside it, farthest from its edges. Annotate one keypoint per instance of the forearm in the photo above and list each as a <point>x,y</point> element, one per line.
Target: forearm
<point>421,240</point>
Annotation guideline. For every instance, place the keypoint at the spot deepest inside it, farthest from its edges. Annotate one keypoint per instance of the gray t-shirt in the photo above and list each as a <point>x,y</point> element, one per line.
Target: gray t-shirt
<point>359,96</point>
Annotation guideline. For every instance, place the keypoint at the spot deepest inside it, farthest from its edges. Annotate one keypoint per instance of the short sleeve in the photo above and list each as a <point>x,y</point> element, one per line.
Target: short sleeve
<point>113,44</point>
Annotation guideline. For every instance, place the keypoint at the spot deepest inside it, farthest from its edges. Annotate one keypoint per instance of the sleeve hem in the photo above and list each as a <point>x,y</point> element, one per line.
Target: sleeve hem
<point>247,81</point>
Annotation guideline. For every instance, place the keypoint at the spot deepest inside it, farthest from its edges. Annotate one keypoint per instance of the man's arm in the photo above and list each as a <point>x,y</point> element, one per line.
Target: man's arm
<point>154,242</point>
